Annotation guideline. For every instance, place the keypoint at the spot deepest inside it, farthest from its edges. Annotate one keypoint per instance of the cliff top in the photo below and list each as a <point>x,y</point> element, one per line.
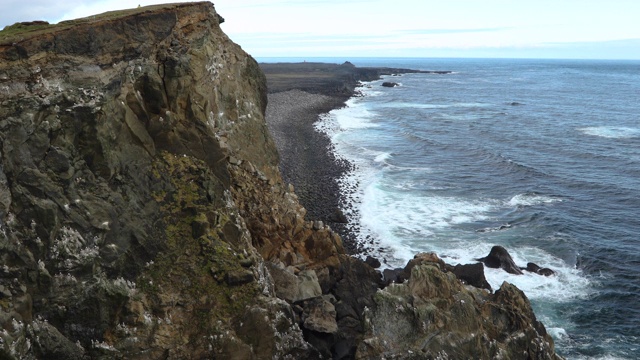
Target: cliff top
<point>25,30</point>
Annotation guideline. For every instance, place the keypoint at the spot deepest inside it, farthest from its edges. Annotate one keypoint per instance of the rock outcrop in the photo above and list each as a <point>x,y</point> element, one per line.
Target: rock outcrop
<point>499,258</point>
<point>434,316</point>
<point>143,216</point>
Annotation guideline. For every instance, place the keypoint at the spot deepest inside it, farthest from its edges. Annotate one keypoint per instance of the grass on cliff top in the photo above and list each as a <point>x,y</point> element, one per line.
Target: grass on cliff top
<point>24,30</point>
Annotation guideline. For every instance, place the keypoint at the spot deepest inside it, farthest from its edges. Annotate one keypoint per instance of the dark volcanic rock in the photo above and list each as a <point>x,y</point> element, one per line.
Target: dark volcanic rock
<point>396,275</point>
<point>373,262</point>
<point>533,267</point>
<point>499,258</point>
<point>240,277</point>
<point>390,84</point>
<point>472,274</point>
<point>338,217</point>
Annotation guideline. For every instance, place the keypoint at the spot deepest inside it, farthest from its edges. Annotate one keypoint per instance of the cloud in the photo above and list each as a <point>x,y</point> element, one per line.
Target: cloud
<point>608,43</point>
<point>17,11</point>
<point>379,44</point>
<point>451,31</point>
<point>54,11</point>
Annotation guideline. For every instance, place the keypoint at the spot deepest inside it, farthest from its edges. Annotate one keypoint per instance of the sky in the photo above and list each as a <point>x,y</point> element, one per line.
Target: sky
<point>570,29</point>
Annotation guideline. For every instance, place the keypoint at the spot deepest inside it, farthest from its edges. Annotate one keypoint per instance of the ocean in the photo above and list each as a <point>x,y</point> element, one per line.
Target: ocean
<point>539,156</point>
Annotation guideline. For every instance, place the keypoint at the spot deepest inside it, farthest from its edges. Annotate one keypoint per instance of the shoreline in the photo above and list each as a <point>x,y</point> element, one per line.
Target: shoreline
<point>298,95</point>
<point>306,159</point>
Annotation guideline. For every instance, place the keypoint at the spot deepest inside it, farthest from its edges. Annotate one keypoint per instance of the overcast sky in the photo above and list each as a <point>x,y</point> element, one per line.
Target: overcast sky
<point>601,29</point>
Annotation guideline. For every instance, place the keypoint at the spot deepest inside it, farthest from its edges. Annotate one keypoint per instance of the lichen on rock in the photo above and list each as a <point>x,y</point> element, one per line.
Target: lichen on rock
<point>119,225</point>
<point>433,315</point>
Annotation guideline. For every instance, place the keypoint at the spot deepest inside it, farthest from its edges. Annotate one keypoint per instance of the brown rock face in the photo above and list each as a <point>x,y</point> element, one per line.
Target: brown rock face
<point>434,316</point>
<point>128,140</point>
<point>142,214</point>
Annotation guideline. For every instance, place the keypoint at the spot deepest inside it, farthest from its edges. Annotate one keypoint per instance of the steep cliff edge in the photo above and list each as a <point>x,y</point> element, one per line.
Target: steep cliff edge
<point>143,216</point>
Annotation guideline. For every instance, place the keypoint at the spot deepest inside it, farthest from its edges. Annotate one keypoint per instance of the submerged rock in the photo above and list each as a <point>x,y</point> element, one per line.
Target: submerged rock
<point>499,257</point>
<point>533,267</point>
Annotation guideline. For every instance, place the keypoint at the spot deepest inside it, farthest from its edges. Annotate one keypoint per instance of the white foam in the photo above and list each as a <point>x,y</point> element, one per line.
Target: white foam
<point>407,210</point>
<point>557,333</point>
<point>416,184</point>
<point>406,218</point>
<point>400,219</point>
<point>612,132</point>
<point>355,116</point>
<point>602,357</point>
<point>382,157</point>
<point>568,284</point>
<point>352,117</point>
<point>531,199</point>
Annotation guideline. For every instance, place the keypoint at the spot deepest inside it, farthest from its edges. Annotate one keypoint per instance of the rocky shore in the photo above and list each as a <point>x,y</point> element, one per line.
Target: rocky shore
<point>298,94</point>
<point>143,214</point>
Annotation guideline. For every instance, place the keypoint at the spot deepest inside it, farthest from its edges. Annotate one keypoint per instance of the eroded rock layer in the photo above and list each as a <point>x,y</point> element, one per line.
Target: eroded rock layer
<point>143,216</point>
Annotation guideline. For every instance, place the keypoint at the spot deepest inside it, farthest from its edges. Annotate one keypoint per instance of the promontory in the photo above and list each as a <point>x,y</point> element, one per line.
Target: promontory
<point>143,216</point>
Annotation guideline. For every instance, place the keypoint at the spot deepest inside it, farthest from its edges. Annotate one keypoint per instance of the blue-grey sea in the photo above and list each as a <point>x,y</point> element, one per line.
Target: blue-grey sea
<point>539,156</point>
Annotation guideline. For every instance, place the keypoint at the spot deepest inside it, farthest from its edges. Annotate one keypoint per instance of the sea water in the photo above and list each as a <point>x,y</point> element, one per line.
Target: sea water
<point>539,156</point>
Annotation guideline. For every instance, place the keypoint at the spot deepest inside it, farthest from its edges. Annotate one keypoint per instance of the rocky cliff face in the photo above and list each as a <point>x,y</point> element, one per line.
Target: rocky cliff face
<point>142,214</point>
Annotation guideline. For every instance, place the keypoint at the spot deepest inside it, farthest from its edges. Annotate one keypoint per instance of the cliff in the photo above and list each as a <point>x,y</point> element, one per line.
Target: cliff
<point>143,215</point>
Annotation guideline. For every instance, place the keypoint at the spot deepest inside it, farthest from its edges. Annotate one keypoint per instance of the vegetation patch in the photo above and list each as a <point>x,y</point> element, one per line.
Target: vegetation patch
<point>198,258</point>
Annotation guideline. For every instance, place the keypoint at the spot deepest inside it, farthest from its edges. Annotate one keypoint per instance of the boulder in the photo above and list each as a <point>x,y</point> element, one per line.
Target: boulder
<point>472,274</point>
<point>308,285</point>
<point>393,275</point>
<point>533,267</point>
<point>240,277</point>
<point>499,257</point>
<point>373,262</point>
<point>338,217</point>
<point>356,283</point>
<point>285,282</point>
<point>390,84</point>
<point>320,315</point>
<point>294,288</point>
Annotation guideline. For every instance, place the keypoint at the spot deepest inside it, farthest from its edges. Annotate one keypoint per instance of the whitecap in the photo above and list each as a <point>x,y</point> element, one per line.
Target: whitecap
<point>531,199</point>
<point>612,132</point>
<point>567,285</point>
<point>557,333</point>
<point>382,157</point>
<point>353,116</point>
<point>400,218</point>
